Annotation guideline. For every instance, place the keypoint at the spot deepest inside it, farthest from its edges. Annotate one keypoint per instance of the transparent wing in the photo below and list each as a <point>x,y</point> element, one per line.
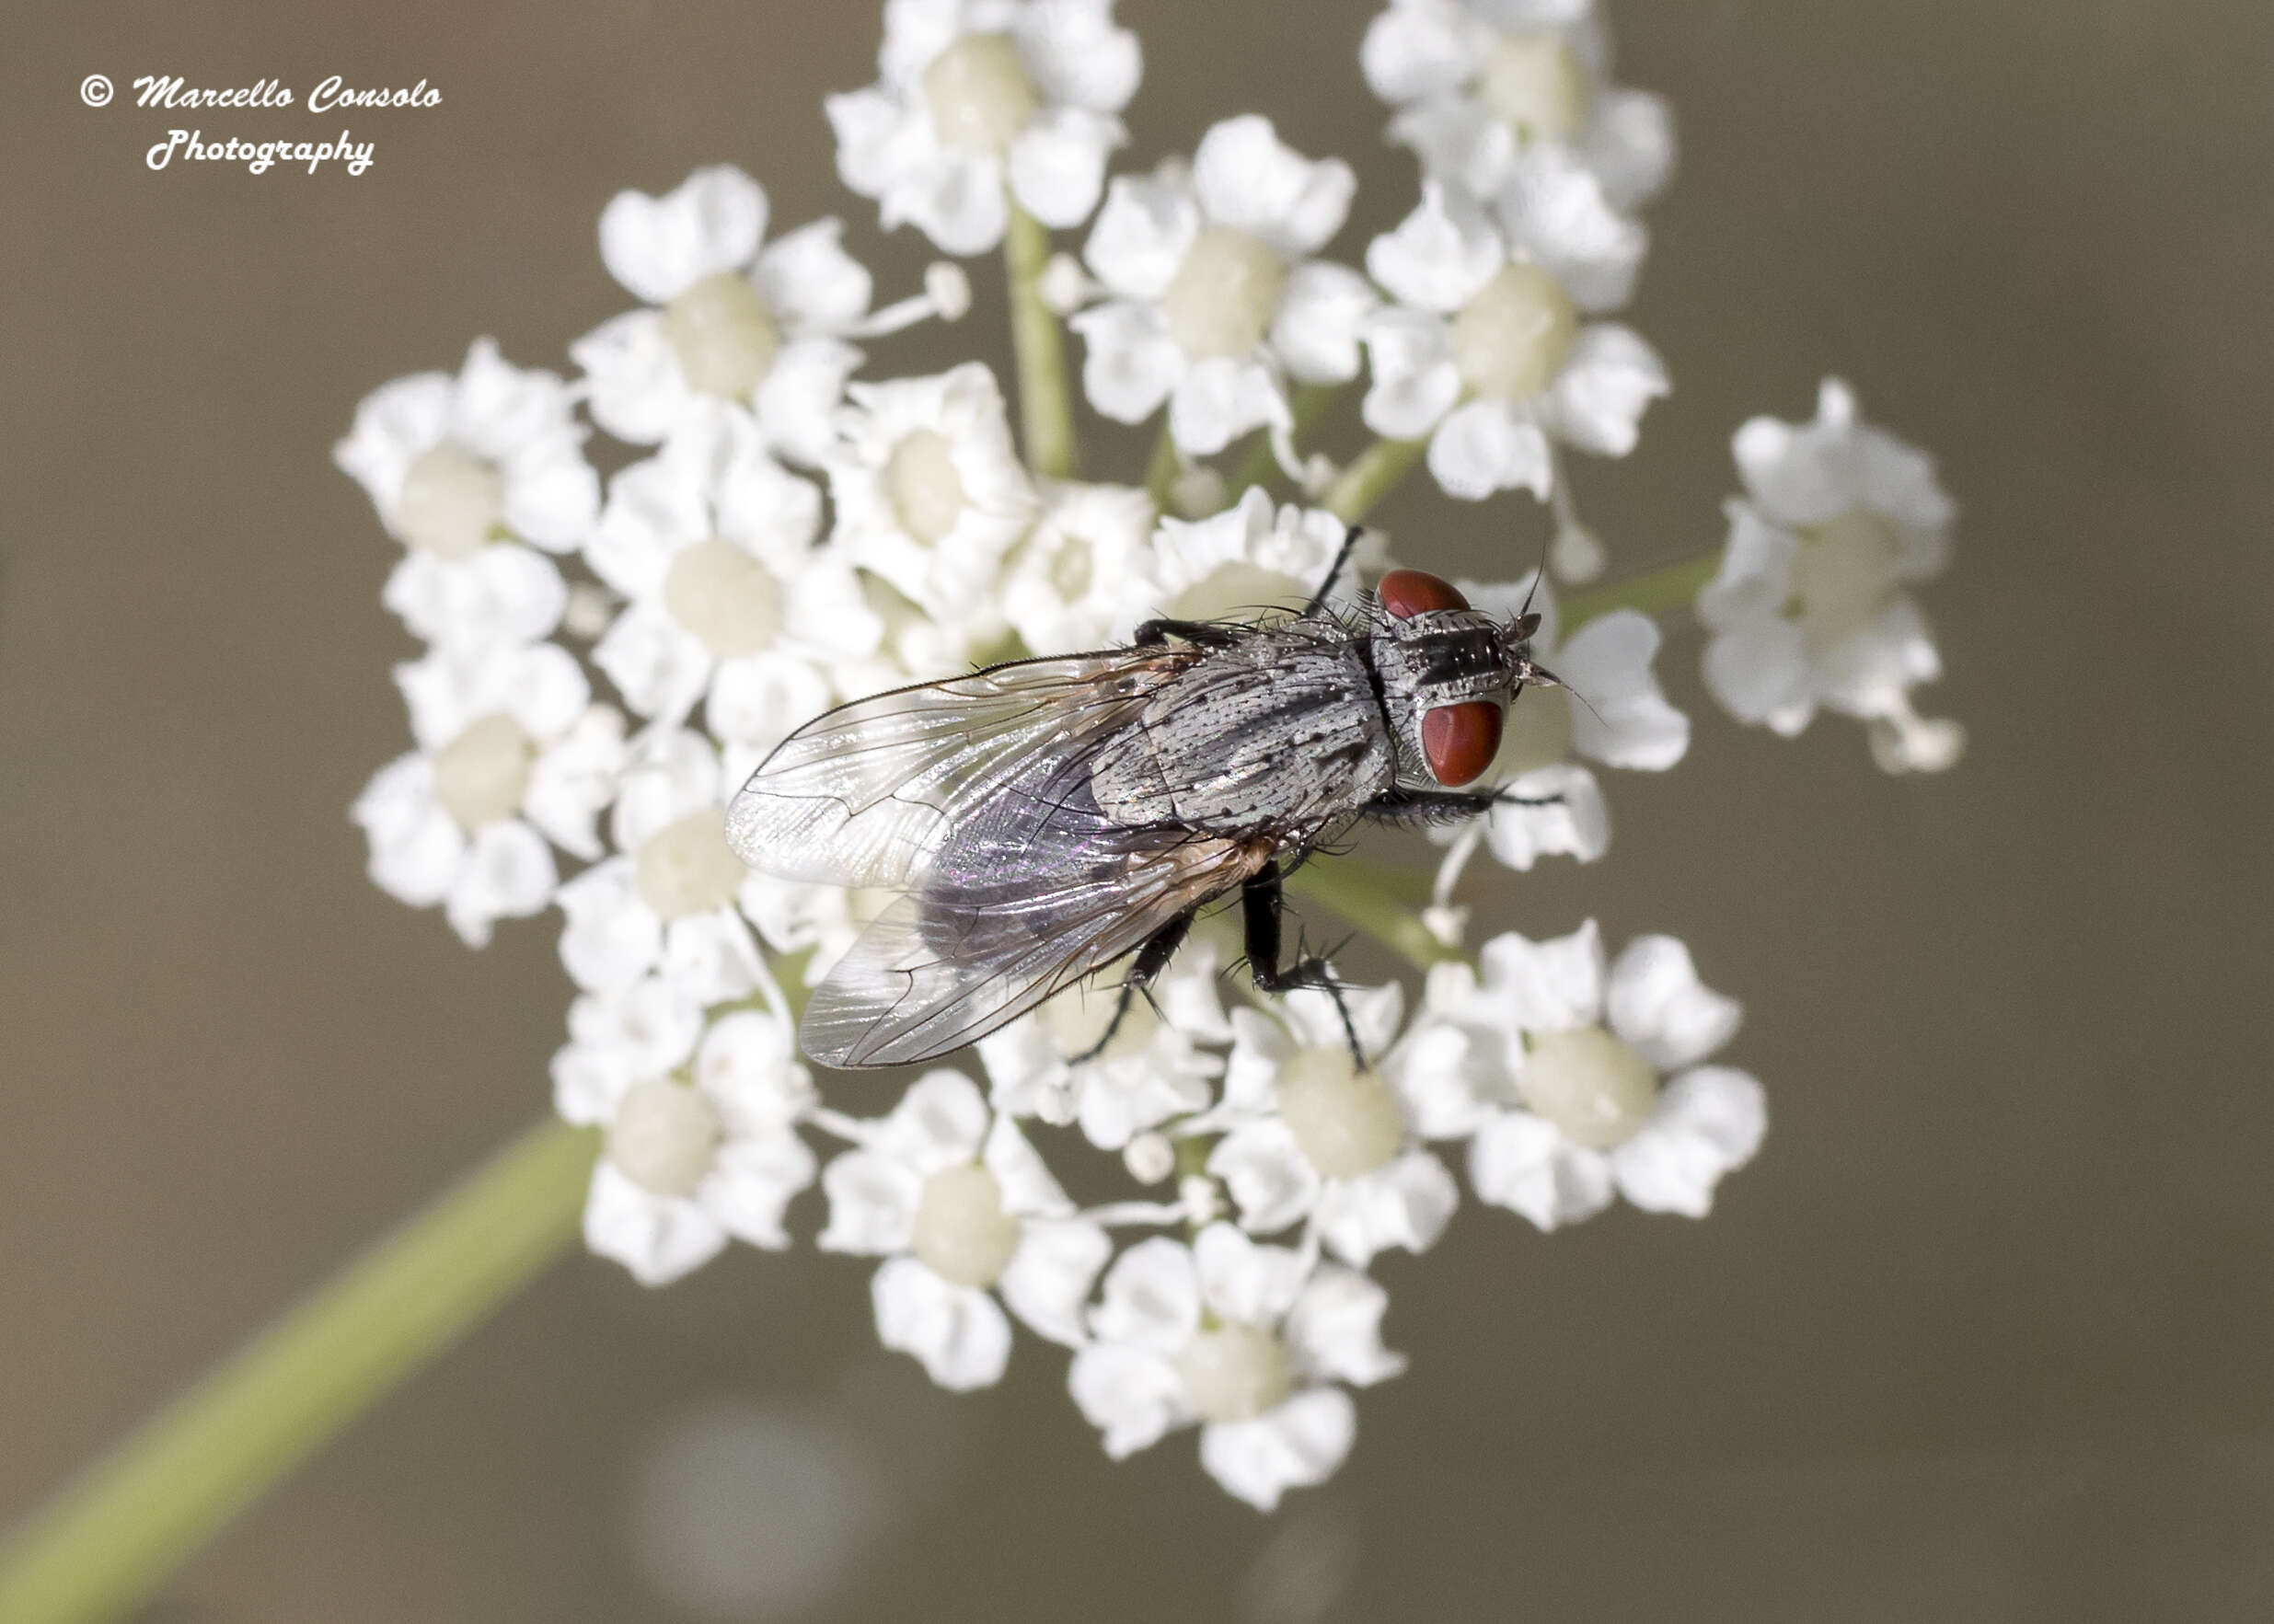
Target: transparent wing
<point>964,954</point>
<point>868,793</point>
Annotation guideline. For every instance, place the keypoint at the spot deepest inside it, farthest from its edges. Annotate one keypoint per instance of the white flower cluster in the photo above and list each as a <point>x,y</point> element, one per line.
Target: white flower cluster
<point>790,535</point>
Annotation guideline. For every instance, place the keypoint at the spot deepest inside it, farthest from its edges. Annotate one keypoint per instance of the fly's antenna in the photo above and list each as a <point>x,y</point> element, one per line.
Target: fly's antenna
<point>1326,587</point>
<point>1538,575</point>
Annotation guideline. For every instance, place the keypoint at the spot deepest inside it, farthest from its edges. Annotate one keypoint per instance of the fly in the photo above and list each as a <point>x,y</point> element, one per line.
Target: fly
<point>1045,818</point>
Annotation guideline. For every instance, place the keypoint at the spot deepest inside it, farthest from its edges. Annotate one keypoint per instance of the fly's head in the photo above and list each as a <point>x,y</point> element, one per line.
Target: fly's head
<point>1448,673</point>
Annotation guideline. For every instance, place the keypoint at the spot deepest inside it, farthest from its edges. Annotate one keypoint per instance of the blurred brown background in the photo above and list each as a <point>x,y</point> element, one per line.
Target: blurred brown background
<point>1982,1336</point>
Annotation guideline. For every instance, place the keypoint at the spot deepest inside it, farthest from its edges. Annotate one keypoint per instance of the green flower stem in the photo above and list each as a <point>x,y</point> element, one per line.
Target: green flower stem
<point>1383,902</point>
<point>1258,466</point>
<point>1674,587</point>
<point>106,1542</point>
<point>1375,474</point>
<point>1160,473</point>
<point>1046,401</point>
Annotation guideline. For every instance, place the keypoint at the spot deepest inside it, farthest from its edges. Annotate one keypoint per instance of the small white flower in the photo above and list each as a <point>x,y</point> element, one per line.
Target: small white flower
<point>982,101</point>
<point>1809,606</point>
<point>1215,299</point>
<point>703,1142</point>
<point>1250,558</point>
<point>1153,1070</point>
<point>726,318</point>
<point>799,916</point>
<point>1316,1138</point>
<point>1484,356</point>
<point>931,494</point>
<point>665,904</point>
<point>1610,710</point>
<point>1483,86</point>
<point>960,1209</point>
<point>1246,1339</point>
<point>512,752</point>
<point>730,599</point>
<point>1587,1051</point>
<point>455,463</point>
<point>1083,576</point>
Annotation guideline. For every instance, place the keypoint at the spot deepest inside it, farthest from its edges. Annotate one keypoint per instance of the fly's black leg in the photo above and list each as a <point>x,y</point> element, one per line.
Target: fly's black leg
<point>1260,902</point>
<point>1151,959</point>
<point>1415,808</point>
<point>1199,633</point>
<point>1326,587</point>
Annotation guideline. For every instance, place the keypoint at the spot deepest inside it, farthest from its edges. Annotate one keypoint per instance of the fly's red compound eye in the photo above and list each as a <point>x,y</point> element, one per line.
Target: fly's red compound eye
<point>1460,741</point>
<point>1404,594</point>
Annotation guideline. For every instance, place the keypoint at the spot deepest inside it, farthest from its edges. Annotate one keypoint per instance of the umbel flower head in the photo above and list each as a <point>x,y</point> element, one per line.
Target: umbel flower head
<point>1810,606</point>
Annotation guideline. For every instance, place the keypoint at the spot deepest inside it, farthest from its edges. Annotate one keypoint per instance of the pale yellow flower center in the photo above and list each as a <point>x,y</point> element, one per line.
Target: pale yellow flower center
<point>921,483</point>
<point>663,1137</point>
<point>1077,1018</point>
<point>1511,340</point>
<point>979,94</point>
<point>1234,1372</point>
<point>1536,85</point>
<point>724,596</point>
<point>723,336</point>
<point>480,775</point>
<point>1537,734</point>
<point>1238,588</point>
<point>1072,568</point>
<point>962,1232</point>
<point>1223,297</point>
<point>1345,1122</point>
<point>450,503</point>
<point>1589,1083</point>
<point>1844,577</point>
<point>687,868</point>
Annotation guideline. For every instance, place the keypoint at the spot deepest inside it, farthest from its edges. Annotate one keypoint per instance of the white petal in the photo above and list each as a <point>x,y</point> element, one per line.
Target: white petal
<point>879,134</point>
<point>1271,1182</point>
<point>1129,362</point>
<point>957,1334</point>
<point>1250,181</point>
<point>1597,402</point>
<point>1442,1073</point>
<point>1295,1446</point>
<point>1411,51</point>
<point>1020,1172</point>
<point>1245,1281</point>
<point>1484,448</point>
<point>752,1182</point>
<point>552,494</point>
<point>1654,999</point>
<point>1048,1279</point>
<point>1132,1395</point>
<point>1553,208</point>
<point>1546,987</point>
<point>507,873</point>
<point>1320,317</point>
<point>575,779</point>
<point>658,1237</point>
<point>958,202</point>
<point>497,409</point>
<point>1260,1045</point>
<point>1221,399</point>
<point>811,282</point>
<point>1709,1120</point>
<point>1629,142</point>
<point>415,846</point>
<point>1150,1297</point>
<point>659,666</point>
<point>612,938</point>
<point>1406,1204</point>
<point>1626,722</point>
<point>1076,56</point>
<point>646,1030</point>
<point>1118,1103</point>
<point>798,400</point>
<point>1440,254</point>
<point>873,1202</point>
<point>1803,473</point>
<point>658,248</point>
<point>503,593</point>
<point>1143,233</point>
<point>748,1067</point>
<point>1758,669</point>
<point>709,955</point>
<point>395,424</point>
<point>1571,820</point>
<point>1415,380</point>
<point>1057,164</point>
<point>761,700</point>
<point>1334,1330</point>
<point>940,1122</point>
<point>1523,1163</point>
<point>636,389</point>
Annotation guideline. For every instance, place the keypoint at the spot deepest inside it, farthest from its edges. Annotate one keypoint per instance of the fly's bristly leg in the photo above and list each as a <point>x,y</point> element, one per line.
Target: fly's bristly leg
<point>1421,808</point>
<point>1199,633</point>
<point>1262,899</point>
<point>1326,587</point>
<point>1151,959</point>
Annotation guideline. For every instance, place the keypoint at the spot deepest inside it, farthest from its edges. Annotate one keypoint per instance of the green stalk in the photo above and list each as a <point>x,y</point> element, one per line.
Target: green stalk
<point>1383,902</point>
<point>1375,474</point>
<point>1161,471</point>
<point>105,1543</point>
<point>1674,587</point>
<point>1046,401</point>
<point>1258,466</point>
